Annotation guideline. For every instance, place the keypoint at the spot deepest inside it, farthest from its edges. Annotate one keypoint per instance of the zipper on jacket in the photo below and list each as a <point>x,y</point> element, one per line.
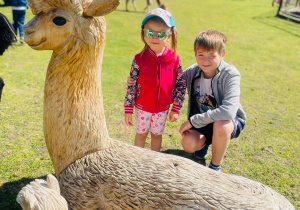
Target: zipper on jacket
<point>218,72</point>
<point>158,85</point>
<point>193,108</point>
<point>212,90</point>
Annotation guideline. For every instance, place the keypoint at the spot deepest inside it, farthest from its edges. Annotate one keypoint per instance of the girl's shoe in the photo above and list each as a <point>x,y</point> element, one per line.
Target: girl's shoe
<point>201,154</point>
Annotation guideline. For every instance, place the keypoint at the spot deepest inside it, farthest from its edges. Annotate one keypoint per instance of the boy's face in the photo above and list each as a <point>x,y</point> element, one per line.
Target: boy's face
<point>208,61</point>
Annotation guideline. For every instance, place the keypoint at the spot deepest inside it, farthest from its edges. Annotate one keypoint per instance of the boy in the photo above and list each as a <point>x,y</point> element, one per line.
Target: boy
<point>215,114</point>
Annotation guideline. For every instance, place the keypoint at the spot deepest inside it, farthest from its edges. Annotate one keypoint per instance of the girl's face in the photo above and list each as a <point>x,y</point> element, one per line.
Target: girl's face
<point>208,61</point>
<point>156,44</point>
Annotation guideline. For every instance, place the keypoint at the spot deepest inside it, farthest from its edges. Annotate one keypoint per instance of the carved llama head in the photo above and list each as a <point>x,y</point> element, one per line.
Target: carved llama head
<point>61,23</point>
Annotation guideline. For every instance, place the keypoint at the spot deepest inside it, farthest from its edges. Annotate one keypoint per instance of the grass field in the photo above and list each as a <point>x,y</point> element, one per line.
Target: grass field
<point>263,47</point>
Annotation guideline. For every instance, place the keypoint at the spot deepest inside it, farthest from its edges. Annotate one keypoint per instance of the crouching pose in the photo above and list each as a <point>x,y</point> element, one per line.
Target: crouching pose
<point>215,114</point>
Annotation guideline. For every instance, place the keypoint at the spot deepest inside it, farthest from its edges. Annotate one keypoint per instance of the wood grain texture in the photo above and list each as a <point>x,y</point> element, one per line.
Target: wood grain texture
<point>94,171</point>
<point>129,177</point>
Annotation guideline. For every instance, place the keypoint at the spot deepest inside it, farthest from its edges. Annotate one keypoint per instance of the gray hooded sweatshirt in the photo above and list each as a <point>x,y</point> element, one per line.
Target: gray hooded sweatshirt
<point>226,89</point>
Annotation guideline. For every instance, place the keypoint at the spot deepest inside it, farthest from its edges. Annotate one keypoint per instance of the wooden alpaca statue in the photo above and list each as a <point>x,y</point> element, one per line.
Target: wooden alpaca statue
<point>95,171</point>
<point>48,192</point>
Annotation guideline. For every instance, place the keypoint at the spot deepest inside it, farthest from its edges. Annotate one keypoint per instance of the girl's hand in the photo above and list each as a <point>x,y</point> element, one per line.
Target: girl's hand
<point>128,119</point>
<point>130,81</point>
<point>173,116</point>
<point>184,128</point>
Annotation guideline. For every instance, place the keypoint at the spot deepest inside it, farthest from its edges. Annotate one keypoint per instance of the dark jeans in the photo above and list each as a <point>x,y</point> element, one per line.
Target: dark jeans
<point>19,18</point>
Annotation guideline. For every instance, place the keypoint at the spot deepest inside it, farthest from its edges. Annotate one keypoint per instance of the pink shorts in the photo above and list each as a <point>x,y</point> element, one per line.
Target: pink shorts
<point>155,122</point>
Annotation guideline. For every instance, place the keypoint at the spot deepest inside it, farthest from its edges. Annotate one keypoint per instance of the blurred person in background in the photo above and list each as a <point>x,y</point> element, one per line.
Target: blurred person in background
<point>19,8</point>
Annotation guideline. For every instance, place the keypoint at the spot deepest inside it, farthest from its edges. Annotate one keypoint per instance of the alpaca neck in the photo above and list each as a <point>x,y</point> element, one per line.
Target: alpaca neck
<point>74,120</point>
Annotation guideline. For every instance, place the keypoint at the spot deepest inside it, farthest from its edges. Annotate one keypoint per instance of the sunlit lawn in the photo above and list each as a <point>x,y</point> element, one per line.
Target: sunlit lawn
<point>263,47</point>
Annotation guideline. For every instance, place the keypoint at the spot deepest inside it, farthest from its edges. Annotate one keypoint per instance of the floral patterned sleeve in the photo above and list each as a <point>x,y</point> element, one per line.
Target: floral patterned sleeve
<point>179,90</point>
<point>131,94</point>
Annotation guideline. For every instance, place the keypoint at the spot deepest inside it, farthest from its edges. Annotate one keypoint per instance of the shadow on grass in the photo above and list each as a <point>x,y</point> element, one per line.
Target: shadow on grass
<point>274,21</point>
<point>10,190</point>
<point>184,154</point>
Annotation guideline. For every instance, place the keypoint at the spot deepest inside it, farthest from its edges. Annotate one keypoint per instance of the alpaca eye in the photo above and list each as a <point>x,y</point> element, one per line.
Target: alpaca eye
<point>59,21</point>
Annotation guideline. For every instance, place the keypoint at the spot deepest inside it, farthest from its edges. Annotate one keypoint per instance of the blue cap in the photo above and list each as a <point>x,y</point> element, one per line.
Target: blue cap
<point>163,14</point>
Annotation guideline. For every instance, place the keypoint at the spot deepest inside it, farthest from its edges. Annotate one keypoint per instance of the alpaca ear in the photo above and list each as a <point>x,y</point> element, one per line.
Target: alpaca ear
<point>37,6</point>
<point>101,7</point>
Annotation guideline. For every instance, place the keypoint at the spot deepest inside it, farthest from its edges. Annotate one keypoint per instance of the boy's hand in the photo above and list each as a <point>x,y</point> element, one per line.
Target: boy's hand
<point>128,119</point>
<point>130,81</point>
<point>173,116</point>
<point>184,128</point>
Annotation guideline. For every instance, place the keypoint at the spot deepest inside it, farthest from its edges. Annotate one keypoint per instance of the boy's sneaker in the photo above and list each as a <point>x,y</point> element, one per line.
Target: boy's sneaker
<point>216,168</point>
<point>22,41</point>
<point>201,154</point>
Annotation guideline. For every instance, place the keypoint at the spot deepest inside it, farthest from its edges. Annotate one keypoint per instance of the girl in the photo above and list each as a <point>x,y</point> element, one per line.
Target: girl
<point>158,80</point>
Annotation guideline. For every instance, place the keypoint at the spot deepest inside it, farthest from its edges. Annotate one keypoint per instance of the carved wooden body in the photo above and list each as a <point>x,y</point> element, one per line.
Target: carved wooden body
<point>129,177</point>
<point>94,171</point>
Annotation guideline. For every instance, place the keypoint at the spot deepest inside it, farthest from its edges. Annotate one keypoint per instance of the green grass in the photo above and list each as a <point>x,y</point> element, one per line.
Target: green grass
<point>263,47</point>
